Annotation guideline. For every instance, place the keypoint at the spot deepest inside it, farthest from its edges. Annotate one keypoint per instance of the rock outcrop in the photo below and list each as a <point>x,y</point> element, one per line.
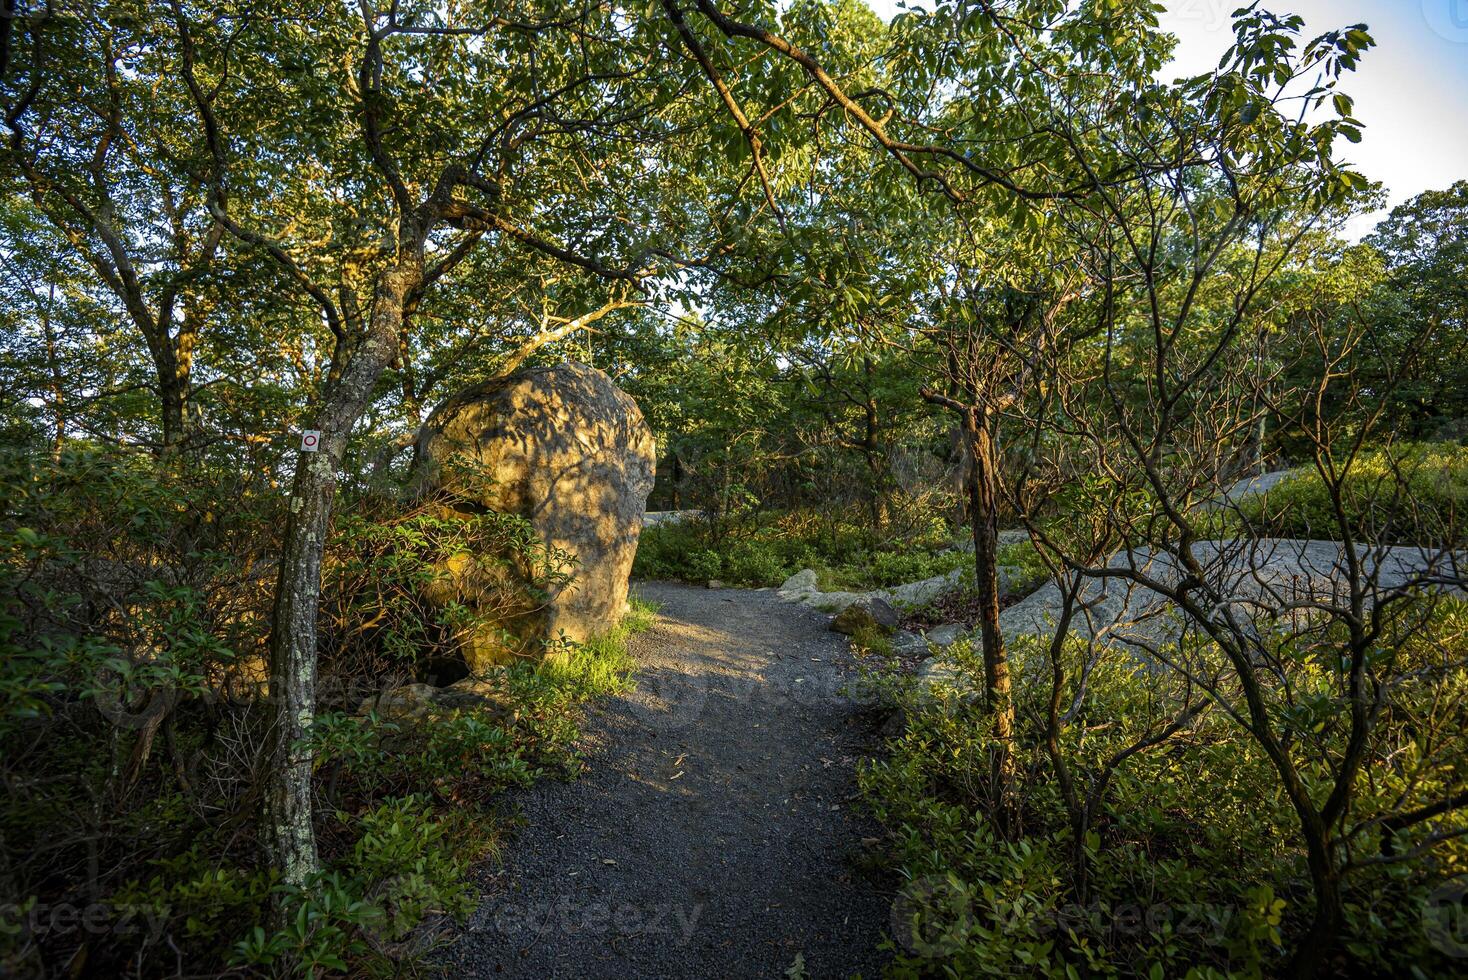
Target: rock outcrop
<point>568,451</point>
<point>1257,577</point>
<point>803,588</point>
<point>929,641</point>
<point>1249,486</point>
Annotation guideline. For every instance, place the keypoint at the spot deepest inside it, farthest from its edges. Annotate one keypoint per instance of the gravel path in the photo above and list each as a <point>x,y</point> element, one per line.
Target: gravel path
<point>713,834</point>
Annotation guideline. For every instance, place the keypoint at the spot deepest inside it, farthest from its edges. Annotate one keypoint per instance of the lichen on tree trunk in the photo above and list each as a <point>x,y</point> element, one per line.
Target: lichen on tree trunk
<point>288,804</point>
<point>984,509</point>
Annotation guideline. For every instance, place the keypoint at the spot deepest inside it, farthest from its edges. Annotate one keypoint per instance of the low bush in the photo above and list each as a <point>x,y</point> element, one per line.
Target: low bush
<point>1192,863</point>
<point>1408,494</point>
<point>133,612</point>
<point>846,555</point>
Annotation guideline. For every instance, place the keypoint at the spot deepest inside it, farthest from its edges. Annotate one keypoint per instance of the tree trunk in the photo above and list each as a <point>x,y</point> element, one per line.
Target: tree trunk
<point>871,448</point>
<point>53,366</point>
<point>288,821</point>
<point>1325,926</point>
<point>958,440</point>
<point>171,395</point>
<point>1076,810</point>
<point>288,804</point>
<point>876,497</point>
<point>984,512</point>
<point>173,361</point>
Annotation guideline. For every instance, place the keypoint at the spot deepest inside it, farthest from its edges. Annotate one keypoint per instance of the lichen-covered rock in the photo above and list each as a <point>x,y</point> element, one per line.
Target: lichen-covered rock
<point>934,640</point>
<point>568,451</point>
<point>801,582</point>
<point>802,587</point>
<point>945,635</point>
<point>866,614</point>
<point>418,701</point>
<point>908,644</point>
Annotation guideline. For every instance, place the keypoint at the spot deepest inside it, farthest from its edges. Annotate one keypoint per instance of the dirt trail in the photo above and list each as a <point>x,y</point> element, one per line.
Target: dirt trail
<point>714,833</point>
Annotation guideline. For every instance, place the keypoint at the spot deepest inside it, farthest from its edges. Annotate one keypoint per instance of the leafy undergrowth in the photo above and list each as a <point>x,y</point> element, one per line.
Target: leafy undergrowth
<point>401,858</point>
<point>1191,864</point>
<point>410,808</point>
<point>1412,493</point>
<point>764,550</point>
<point>132,728</point>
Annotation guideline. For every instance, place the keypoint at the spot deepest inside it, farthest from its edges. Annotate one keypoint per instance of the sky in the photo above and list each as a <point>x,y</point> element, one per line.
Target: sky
<point>1411,90</point>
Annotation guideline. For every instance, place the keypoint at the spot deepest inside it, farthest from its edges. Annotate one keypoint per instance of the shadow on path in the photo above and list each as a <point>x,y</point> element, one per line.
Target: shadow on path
<point>713,834</point>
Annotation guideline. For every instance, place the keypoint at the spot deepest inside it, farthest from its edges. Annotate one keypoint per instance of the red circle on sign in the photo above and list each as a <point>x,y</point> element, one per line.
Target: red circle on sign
<point>310,440</point>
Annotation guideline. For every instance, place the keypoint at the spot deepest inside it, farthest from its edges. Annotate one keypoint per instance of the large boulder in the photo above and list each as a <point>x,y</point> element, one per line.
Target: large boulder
<point>566,449</point>
<point>802,582</point>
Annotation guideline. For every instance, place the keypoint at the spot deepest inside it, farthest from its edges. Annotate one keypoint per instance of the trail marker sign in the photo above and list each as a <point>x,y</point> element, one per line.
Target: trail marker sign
<point>311,441</point>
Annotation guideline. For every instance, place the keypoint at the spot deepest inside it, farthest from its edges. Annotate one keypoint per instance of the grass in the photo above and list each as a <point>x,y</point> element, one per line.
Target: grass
<point>601,665</point>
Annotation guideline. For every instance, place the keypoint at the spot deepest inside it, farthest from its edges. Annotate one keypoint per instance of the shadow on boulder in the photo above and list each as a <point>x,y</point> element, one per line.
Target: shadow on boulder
<point>567,452</point>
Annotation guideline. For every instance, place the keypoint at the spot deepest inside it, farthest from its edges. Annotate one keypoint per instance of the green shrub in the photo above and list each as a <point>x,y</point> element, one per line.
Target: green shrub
<point>328,926</point>
<point>764,553</point>
<point>1192,865</point>
<point>897,568</point>
<point>705,564</point>
<point>130,603</point>
<point>1023,557</point>
<point>195,902</point>
<point>414,859</point>
<point>665,550</point>
<point>1410,494</point>
<point>756,562</point>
